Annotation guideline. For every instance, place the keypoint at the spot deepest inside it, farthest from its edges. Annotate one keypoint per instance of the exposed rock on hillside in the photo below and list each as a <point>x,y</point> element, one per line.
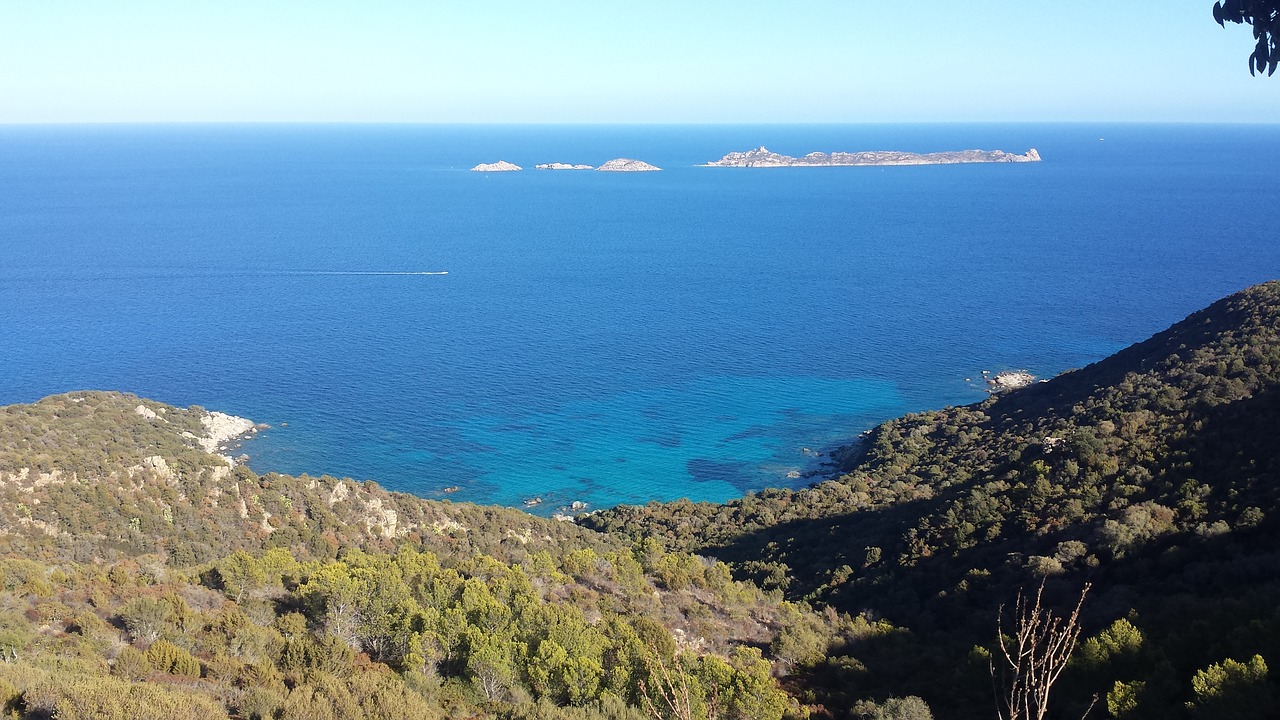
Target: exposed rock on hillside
<point>98,475</point>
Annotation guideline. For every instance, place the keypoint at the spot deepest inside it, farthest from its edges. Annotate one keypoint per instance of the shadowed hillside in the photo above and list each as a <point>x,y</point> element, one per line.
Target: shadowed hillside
<point>1155,473</point>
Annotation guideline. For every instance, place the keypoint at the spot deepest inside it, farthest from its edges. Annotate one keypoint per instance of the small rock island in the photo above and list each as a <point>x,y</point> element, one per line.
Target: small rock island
<point>500,166</point>
<point>762,157</point>
<point>627,165</point>
<point>562,166</point>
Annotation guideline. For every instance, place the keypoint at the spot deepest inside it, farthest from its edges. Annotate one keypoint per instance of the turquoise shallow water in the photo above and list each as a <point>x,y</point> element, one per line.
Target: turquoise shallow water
<point>599,337</point>
<point>713,439</point>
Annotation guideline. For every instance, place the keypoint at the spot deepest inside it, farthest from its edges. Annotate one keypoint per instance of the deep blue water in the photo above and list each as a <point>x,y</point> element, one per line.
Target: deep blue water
<point>599,337</point>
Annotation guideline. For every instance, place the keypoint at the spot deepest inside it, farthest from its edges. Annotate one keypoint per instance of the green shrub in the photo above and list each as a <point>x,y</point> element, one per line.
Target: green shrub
<point>169,658</point>
<point>131,664</point>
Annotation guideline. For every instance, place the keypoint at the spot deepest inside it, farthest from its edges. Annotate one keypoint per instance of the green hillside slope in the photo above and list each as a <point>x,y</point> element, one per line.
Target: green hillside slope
<point>142,575</point>
<point>1154,473</point>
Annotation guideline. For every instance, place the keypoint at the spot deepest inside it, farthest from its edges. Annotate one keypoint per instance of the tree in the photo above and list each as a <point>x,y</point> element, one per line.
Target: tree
<point>131,664</point>
<point>145,618</point>
<point>240,573</point>
<point>1264,16</point>
<point>1233,689</point>
<point>169,658</point>
<point>1035,650</point>
<point>490,663</point>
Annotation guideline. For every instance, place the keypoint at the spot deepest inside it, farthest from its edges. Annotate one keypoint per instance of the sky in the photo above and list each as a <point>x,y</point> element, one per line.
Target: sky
<point>645,61</point>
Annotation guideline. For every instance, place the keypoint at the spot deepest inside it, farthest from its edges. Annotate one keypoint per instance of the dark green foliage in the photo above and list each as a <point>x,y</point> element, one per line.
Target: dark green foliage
<point>1235,690</point>
<point>409,635</point>
<point>145,618</point>
<point>1154,473</point>
<point>131,664</point>
<point>1264,16</point>
<point>166,657</point>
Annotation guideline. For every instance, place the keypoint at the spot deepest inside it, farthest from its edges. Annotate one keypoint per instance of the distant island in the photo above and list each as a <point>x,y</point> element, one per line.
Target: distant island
<point>627,165</point>
<point>762,157</point>
<point>563,166</point>
<point>500,166</point>
<point>615,165</point>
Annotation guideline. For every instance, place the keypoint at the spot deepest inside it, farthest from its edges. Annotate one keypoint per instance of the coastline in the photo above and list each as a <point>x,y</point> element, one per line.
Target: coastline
<point>224,432</point>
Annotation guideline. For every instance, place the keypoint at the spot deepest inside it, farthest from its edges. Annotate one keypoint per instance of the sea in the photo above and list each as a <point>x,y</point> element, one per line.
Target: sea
<point>600,338</point>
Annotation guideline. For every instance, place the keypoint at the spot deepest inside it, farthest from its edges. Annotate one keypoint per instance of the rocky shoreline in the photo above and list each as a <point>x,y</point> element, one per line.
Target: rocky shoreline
<point>221,433</point>
<point>1010,380</point>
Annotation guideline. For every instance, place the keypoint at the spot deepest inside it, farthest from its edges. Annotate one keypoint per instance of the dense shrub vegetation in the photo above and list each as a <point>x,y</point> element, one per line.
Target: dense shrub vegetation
<point>1154,473</point>
<point>141,576</point>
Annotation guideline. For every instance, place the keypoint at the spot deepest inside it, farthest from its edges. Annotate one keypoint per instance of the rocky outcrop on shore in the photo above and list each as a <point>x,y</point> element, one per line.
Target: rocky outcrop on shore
<point>500,166</point>
<point>763,157</point>
<point>562,166</point>
<point>221,428</point>
<point>627,165</point>
<point>1010,380</point>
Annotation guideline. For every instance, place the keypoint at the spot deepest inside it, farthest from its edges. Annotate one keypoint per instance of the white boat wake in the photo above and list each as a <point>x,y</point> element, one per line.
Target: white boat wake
<point>364,272</point>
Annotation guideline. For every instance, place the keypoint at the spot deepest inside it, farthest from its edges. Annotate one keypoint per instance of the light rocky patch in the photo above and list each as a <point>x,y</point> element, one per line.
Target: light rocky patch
<point>340,493</point>
<point>384,519</point>
<point>53,477</point>
<point>221,428</point>
<point>1010,380</point>
<point>160,467</point>
<point>444,526</point>
<point>145,412</point>
<point>41,525</point>
<point>523,537</point>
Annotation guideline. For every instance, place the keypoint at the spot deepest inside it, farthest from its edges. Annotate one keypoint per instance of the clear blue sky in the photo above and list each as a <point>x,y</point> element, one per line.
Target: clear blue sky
<point>599,61</point>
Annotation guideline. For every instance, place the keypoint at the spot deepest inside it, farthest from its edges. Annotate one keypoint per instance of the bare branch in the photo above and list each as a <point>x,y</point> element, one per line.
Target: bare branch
<point>1035,650</point>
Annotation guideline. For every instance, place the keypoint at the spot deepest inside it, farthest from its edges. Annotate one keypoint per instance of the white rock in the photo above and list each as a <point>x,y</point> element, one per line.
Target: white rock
<point>1010,380</point>
<point>221,428</point>
<point>159,465</point>
<point>627,165</point>
<point>500,166</point>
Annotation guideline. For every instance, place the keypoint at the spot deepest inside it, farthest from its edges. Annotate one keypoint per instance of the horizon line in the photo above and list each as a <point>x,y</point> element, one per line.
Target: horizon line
<point>431,123</point>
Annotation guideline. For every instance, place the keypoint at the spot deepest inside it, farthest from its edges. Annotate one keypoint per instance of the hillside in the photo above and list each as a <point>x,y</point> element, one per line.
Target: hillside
<point>1154,473</point>
<point>87,476</point>
<point>143,575</point>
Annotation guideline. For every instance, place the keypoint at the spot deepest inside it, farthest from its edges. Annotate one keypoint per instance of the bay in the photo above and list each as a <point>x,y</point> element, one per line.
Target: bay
<point>697,332</point>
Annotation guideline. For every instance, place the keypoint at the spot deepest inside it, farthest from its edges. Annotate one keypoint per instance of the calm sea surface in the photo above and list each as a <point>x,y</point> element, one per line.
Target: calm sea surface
<point>698,332</point>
